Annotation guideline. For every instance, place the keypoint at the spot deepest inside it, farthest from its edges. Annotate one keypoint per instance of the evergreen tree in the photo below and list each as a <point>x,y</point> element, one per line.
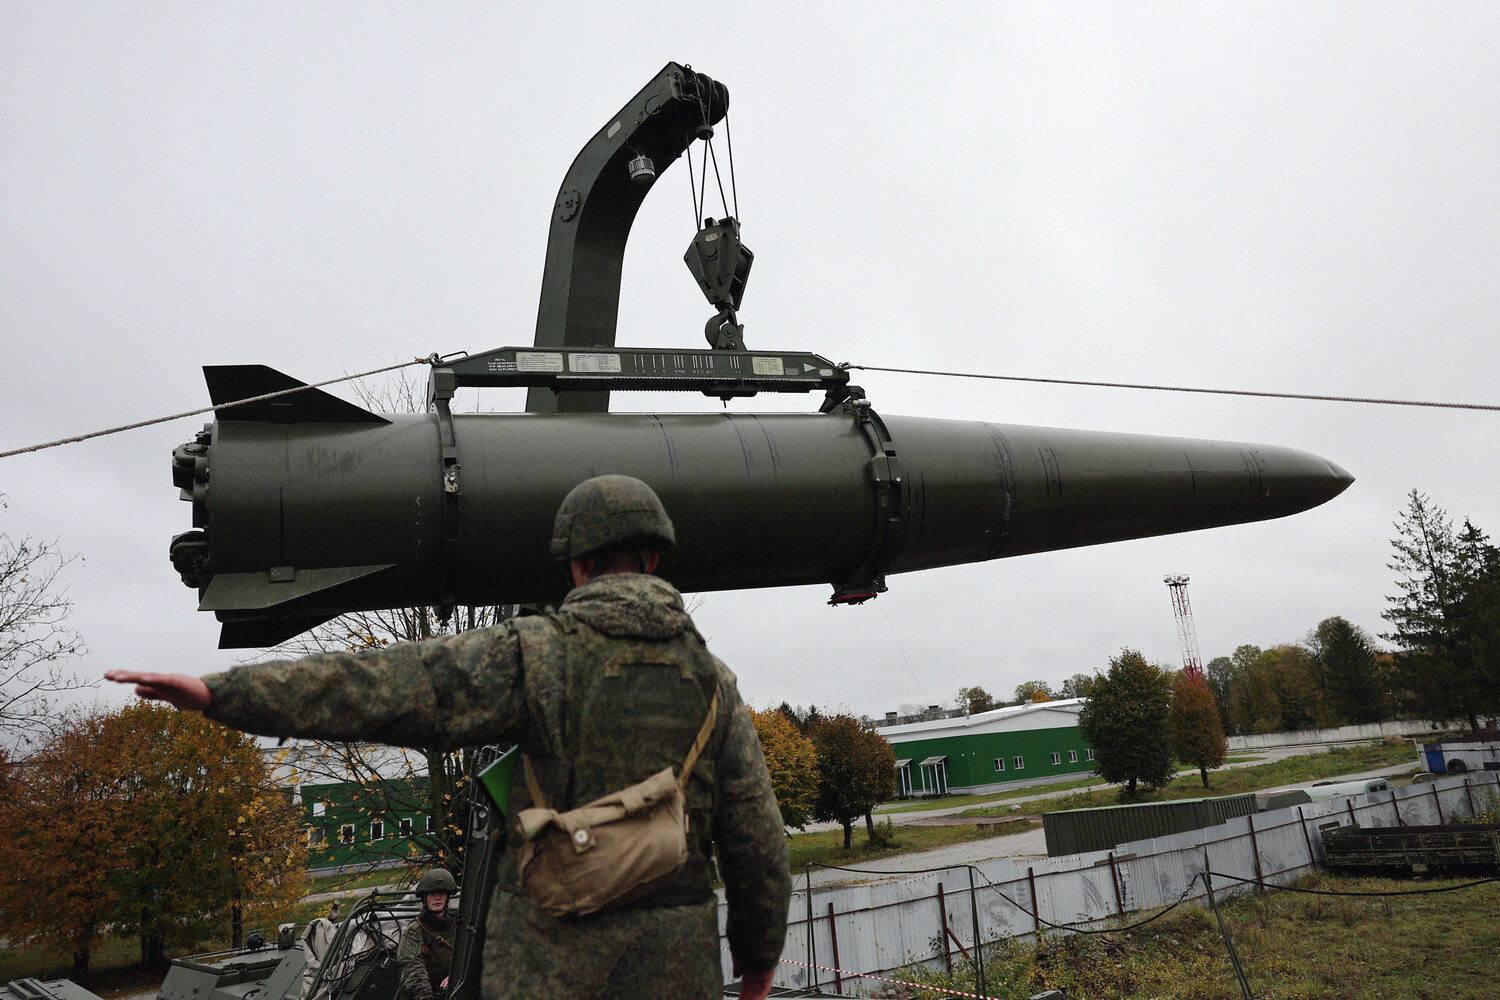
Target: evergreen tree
<point>1445,618</point>
<point>1351,673</point>
<point>1126,721</point>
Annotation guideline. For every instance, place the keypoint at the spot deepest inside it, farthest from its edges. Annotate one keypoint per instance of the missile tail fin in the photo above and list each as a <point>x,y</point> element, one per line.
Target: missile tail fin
<point>229,383</point>
<point>266,632</point>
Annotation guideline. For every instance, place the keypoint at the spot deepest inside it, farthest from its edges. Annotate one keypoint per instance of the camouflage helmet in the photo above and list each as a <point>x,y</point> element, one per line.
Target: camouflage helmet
<point>610,512</point>
<point>436,880</point>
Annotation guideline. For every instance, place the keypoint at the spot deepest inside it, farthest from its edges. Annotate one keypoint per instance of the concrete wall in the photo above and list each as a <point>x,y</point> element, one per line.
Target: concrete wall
<point>1344,734</point>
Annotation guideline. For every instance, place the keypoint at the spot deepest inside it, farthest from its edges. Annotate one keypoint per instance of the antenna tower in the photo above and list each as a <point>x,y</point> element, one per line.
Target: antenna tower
<point>1186,636</point>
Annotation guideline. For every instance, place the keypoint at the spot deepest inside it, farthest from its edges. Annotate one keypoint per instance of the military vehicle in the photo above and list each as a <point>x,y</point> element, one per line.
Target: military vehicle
<point>306,506</point>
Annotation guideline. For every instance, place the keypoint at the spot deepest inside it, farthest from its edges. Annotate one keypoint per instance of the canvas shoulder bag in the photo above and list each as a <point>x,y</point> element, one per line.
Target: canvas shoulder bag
<point>611,851</point>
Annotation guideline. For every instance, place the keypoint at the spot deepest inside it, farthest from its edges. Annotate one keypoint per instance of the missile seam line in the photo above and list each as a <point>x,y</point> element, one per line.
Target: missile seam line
<point>209,409</point>
<point>1184,388</point>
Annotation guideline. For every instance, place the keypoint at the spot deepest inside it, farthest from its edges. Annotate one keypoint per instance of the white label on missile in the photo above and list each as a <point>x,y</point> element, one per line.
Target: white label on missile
<point>608,364</point>
<point>766,366</point>
<point>530,361</point>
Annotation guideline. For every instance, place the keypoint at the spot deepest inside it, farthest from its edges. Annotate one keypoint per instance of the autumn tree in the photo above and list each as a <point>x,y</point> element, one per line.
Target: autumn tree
<point>975,700</point>
<point>792,760</point>
<point>1351,670</point>
<point>37,642</point>
<point>1445,617</point>
<point>1077,686</point>
<point>1125,720</point>
<point>1193,726</point>
<point>1033,691</point>
<point>856,771</point>
<point>156,822</point>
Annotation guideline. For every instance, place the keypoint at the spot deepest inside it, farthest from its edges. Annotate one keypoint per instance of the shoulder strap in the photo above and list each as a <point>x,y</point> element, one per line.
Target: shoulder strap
<point>704,732</point>
<point>538,800</point>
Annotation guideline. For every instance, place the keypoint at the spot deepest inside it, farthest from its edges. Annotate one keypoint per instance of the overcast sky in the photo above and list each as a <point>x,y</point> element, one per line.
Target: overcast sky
<point>1283,197</point>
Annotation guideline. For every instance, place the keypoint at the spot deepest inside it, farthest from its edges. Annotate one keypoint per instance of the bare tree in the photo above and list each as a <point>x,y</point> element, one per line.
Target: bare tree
<point>36,640</point>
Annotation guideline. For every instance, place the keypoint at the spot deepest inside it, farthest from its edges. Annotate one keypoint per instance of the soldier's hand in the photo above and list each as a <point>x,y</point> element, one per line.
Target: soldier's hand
<point>754,985</point>
<point>177,690</point>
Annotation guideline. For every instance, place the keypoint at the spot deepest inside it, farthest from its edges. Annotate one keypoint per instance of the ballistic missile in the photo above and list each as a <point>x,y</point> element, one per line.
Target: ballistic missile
<point>307,507</point>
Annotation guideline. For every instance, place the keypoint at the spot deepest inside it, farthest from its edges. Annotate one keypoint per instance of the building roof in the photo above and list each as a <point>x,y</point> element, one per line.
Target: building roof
<point>1037,715</point>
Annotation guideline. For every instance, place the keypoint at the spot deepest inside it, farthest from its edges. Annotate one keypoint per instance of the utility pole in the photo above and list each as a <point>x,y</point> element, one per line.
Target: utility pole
<point>1186,636</point>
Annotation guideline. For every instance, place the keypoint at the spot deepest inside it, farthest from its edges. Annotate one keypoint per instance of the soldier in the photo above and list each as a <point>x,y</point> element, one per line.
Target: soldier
<point>427,943</point>
<point>602,693</point>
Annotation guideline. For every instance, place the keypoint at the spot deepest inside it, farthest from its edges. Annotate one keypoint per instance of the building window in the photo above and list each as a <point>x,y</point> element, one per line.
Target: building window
<point>1057,758</point>
<point>1089,753</point>
<point>377,829</point>
<point>1072,756</point>
<point>430,824</point>
<point>404,827</point>
<point>346,833</point>
<point>316,836</point>
<point>318,808</point>
<point>999,763</point>
<point>1019,763</point>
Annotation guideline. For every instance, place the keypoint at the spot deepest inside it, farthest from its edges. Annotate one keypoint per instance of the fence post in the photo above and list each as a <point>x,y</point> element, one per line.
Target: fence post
<point>978,941</point>
<point>1470,792</point>
<point>1438,801</point>
<point>1114,876</point>
<point>833,934</point>
<point>1312,859</point>
<point>1397,807</point>
<point>1352,818</point>
<point>943,920</point>
<point>1260,876</point>
<point>812,949</point>
<point>1036,907</point>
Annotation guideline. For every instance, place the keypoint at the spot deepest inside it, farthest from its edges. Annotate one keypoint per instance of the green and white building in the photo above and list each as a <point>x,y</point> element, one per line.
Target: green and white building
<point>990,751</point>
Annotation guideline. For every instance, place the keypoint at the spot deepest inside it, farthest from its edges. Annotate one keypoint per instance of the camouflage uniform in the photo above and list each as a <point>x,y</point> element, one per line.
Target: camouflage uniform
<point>425,954</point>
<point>610,689</point>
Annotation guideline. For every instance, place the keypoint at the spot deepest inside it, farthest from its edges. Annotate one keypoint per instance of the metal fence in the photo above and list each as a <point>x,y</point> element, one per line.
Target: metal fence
<point>837,934</point>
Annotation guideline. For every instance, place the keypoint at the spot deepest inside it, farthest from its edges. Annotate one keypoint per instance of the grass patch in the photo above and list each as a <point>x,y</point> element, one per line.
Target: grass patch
<point>1292,947</point>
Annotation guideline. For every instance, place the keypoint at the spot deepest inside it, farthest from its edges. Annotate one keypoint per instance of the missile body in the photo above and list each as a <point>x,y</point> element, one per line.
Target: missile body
<point>307,514</point>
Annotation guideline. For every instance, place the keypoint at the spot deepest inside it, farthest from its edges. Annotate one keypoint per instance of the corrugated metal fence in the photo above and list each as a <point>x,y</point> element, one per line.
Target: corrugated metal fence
<point>936,917</point>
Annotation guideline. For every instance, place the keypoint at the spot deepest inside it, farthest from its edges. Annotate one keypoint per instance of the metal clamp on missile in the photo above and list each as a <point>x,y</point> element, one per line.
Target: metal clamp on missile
<point>725,374</point>
<point>868,580</point>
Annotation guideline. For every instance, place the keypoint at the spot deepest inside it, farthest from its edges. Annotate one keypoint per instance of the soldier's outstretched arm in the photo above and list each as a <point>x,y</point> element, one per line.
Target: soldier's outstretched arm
<point>750,841</point>
<point>445,692</point>
<point>178,690</point>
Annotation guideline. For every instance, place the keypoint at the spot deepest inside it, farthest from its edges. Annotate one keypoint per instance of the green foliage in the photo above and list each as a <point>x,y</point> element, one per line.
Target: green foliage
<point>1077,686</point>
<point>1193,726</point>
<point>856,770</point>
<point>1125,720</point>
<point>1445,617</point>
<point>975,699</point>
<point>1352,672</point>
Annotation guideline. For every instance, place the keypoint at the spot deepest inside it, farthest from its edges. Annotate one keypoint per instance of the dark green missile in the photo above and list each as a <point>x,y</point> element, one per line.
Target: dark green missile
<point>309,507</point>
